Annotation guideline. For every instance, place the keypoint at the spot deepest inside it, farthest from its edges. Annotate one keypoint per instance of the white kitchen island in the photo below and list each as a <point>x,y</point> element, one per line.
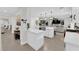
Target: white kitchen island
<point>49,32</point>
<point>71,41</point>
<point>33,37</point>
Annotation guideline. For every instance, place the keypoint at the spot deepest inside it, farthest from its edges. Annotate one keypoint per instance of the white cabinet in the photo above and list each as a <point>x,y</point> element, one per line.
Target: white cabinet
<point>71,47</point>
<point>71,41</point>
<point>49,32</point>
<point>35,38</point>
<point>23,33</point>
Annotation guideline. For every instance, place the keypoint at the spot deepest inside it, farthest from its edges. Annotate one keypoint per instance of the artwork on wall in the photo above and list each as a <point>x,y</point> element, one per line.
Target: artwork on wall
<point>55,21</point>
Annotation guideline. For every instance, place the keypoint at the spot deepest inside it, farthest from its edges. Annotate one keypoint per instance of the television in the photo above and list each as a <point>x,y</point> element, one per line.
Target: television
<point>56,21</point>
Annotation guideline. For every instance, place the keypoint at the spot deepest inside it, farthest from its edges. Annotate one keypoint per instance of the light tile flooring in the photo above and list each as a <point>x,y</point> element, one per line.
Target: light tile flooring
<point>10,44</point>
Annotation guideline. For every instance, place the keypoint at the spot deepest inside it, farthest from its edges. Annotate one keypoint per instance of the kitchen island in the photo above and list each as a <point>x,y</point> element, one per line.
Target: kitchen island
<point>71,40</point>
<point>33,37</point>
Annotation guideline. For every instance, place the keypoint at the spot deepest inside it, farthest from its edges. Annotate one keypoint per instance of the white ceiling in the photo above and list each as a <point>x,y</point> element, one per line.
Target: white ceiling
<point>8,11</point>
<point>12,11</point>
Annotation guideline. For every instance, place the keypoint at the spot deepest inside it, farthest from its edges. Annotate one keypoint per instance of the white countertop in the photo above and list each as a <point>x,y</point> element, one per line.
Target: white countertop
<point>35,30</point>
<point>49,27</point>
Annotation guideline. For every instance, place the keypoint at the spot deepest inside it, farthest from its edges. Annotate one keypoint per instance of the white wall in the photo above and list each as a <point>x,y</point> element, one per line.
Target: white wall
<point>13,23</point>
<point>76,11</point>
<point>33,13</point>
<point>63,14</point>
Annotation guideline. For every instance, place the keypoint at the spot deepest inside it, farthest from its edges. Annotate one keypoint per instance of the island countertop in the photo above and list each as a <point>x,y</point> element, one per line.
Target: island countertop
<point>72,30</point>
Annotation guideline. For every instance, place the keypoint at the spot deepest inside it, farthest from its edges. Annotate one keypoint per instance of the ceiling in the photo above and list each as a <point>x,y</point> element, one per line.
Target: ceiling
<point>12,11</point>
<point>8,11</point>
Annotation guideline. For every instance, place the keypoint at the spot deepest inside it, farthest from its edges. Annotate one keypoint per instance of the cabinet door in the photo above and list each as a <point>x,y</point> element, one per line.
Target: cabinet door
<point>49,33</point>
